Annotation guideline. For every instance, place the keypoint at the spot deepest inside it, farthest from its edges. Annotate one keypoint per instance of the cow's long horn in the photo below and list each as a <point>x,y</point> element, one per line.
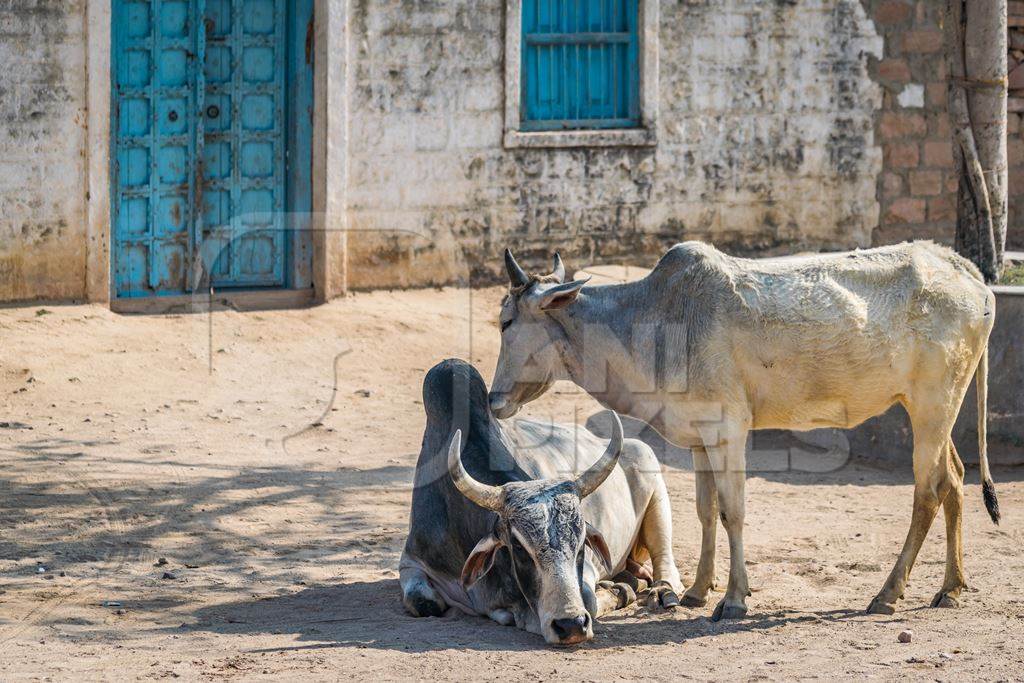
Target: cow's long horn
<point>599,471</point>
<point>559,271</point>
<point>516,275</point>
<point>484,495</point>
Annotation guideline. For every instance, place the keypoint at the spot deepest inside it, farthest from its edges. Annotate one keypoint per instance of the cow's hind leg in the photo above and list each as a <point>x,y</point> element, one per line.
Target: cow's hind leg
<point>931,428</point>
<point>420,598</point>
<point>707,512</point>
<point>952,506</point>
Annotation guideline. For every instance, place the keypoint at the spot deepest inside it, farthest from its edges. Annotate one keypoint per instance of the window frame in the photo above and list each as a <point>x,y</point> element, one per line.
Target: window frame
<point>641,135</point>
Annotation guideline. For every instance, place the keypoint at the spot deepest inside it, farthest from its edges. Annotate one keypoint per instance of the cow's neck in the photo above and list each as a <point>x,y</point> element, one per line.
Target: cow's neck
<point>600,347</point>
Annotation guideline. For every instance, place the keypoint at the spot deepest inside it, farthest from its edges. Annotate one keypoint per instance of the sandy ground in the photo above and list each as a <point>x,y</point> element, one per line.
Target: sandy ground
<point>267,458</point>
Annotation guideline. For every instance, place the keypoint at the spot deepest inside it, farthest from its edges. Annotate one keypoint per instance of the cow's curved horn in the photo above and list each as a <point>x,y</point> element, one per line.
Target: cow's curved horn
<point>484,495</point>
<point>516,275</point>
<point>559,271</point>
<point>599,471</point>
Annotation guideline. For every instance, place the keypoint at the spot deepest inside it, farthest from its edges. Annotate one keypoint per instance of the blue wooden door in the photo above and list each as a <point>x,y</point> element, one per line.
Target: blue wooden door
<point>154,72</point>
<point>200,168</point>
<point>243,195</point>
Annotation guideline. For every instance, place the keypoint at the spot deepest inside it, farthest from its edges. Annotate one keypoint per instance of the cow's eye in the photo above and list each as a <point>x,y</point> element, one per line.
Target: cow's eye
<point>522,557</point>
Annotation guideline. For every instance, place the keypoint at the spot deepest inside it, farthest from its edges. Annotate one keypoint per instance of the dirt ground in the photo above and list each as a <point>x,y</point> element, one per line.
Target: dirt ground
<point>226,496</point>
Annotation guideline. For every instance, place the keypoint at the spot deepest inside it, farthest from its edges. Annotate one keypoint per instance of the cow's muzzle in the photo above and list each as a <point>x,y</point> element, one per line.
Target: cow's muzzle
<point>501,407</point>
<point>572,630</point>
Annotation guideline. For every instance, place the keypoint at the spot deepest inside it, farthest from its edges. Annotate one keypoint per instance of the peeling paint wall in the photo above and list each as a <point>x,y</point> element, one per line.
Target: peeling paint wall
<point>42,149</point>
<point>782,125</point>
<point>766,142</point>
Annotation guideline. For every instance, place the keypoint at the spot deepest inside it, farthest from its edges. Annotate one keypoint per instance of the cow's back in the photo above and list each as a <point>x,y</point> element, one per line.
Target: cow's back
<point>830,339</point>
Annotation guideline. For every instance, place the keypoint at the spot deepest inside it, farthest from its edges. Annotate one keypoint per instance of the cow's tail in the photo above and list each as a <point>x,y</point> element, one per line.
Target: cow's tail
<point>988,489</point>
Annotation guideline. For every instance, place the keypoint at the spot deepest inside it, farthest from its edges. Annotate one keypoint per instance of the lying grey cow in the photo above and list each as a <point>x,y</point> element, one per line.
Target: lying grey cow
<point>708,347</point>
<point>500,526</point>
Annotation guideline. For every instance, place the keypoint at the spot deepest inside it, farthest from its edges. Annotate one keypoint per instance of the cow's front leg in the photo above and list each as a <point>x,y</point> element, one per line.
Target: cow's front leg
<point>656,538</point>
<point>502,616</point>
<point>728,459</point>
<point>419,596</point>
<point>602,597</point>
<point>707,512</point>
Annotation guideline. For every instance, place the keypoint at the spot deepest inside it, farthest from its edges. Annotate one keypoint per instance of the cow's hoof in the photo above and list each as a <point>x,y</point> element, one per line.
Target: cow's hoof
<point>879,607</point>
<point>502,616</point>
<point>943,599</point>
<point>635,582</point>
<point>424,606</point>
<point>625,593</point>
<point>662,595</point>
<point>729,611</point>
<point>691,599</point>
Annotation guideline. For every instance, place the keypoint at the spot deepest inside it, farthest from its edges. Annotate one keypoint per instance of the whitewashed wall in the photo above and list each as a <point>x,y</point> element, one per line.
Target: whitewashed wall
<point>43,188</point>
<point>765,142</point>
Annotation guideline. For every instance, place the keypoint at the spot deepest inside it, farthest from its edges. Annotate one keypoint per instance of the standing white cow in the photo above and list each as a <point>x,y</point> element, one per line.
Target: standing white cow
<point>708,347</point>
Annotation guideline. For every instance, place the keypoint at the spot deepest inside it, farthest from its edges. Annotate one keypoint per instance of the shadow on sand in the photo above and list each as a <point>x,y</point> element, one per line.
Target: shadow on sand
<point>370,615</point>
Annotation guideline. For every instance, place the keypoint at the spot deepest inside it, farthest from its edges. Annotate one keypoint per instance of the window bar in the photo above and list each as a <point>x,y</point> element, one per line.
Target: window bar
<point>551,63</point>
<point>606,25</point>
<point>613,49</point>
<point>578,7</point>
<point>565,27</point>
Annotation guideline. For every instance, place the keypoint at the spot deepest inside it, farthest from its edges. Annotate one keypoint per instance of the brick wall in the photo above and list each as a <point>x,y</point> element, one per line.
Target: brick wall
<point>917,187</point>
<point>766,143</point>
<point>1015,125</point>
<point>42,149</point>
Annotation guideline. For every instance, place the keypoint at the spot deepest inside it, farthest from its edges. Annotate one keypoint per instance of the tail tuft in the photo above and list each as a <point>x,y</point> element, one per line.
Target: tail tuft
<point>988,490</point>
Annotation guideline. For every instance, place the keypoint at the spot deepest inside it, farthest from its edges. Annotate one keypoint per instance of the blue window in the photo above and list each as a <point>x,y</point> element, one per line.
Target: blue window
<point>580,65</point>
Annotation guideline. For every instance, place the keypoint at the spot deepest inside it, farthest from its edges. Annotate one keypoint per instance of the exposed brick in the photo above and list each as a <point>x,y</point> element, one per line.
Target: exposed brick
<point>925,183</point>
<point>938,153</point>
<point>892,184</point>
<point>922,42</point>
<point>935,94</point>
<point>1012,124</point>
<point>902,125</point>
<point>892,12</point>
<point>901,155</point>
<point>906,210</point>
<point>1015,151</point>
<point>895,70</point>
<point>942,208</point>
<point>938,125</point>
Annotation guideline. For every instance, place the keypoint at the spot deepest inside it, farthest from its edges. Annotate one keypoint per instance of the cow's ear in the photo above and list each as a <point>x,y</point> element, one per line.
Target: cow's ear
<point>597,543</point>
<point>480,560</point>
<point>560,296</point>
